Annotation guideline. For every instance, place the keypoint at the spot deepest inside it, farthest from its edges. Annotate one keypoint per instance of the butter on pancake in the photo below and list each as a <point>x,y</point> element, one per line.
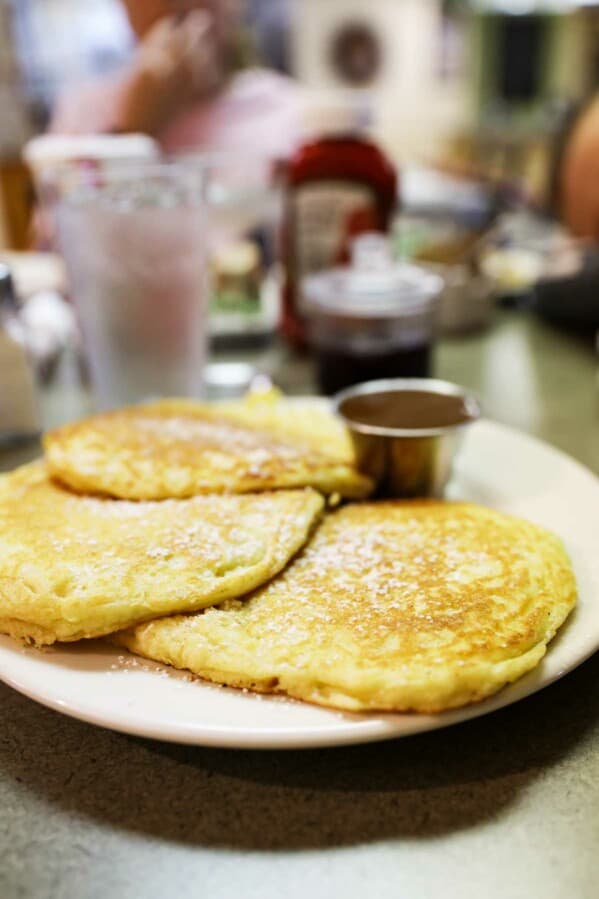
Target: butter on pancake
<point>73,566</point>
<point>180,448</point>
<point>393,606</point>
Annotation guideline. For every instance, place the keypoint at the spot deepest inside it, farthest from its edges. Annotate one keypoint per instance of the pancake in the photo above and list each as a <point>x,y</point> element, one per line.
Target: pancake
<point>179,448</point>
<point>307,420</point>
<point>73,566</point>
<point>392,606</point>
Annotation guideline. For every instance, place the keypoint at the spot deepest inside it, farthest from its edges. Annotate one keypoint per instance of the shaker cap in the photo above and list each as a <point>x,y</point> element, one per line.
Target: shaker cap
<point>374,285</point>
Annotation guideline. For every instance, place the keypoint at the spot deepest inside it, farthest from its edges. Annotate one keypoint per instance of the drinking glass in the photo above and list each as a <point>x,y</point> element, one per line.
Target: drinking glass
<point>134,242</point>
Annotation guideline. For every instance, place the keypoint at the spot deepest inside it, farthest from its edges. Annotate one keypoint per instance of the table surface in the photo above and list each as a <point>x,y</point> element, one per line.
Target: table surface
<point>503,807</point>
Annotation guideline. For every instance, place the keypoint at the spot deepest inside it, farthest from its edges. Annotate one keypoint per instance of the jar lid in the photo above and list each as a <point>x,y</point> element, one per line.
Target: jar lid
<point>373,285</point>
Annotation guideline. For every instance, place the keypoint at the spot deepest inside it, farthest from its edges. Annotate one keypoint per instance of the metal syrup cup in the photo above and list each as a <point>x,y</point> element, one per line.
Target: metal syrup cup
<point>407,462</point>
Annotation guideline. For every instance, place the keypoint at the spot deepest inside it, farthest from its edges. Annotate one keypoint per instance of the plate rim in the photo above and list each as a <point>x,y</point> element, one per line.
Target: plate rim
<point>305,737</point>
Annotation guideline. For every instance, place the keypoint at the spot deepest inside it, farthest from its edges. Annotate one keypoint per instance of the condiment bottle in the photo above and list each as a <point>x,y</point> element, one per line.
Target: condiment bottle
<point>374,319</point>
<point>19,416</point>
<point>339,184</point>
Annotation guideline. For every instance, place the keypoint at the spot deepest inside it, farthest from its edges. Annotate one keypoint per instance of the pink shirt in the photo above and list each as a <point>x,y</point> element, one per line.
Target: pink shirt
<point>259,111</point>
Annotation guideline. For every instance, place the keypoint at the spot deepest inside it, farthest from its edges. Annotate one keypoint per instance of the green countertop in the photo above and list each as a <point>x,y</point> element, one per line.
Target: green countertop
<point>503,807</point>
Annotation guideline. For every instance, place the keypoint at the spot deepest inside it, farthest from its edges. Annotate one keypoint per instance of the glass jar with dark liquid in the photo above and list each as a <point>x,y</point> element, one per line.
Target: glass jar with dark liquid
<point>371,320</point>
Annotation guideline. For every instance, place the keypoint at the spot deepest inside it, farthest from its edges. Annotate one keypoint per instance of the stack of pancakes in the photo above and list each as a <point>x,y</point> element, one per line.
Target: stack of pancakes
<point>199,535</point>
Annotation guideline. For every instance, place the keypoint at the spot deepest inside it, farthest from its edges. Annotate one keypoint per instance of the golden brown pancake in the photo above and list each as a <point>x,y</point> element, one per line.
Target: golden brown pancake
<point>179,448</point>
<point>391,606</point>
<point>74,566</point>
<point>305,420</point>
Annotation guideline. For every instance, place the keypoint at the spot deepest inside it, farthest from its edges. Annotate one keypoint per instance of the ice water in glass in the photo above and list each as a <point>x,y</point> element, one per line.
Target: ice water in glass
<point>134,247</point>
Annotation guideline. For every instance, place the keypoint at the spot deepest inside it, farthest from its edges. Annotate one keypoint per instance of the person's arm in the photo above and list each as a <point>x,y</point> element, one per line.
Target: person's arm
<point>176,65</point>
<point>148,101</point>
<point>580,176</point>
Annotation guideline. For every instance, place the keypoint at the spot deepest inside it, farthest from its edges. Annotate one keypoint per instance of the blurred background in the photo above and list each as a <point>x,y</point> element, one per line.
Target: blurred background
<point>487,85</point>
<point>482,114</point>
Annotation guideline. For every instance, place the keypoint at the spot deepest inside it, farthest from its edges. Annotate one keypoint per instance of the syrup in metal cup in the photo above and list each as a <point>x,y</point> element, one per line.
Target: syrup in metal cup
<point>407,431</point>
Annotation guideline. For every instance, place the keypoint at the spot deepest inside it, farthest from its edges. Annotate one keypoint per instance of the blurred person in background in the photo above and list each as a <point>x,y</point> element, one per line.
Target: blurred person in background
<point>578,184</point>
<point>571,300</point>
<point>187,87</point>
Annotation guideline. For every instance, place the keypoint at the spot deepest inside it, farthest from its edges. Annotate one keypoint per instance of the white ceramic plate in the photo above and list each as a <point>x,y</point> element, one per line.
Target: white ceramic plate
<point>498,467</point>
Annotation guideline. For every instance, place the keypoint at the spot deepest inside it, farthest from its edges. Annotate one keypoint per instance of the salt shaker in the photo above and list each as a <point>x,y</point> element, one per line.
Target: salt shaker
<point>19,414</point>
